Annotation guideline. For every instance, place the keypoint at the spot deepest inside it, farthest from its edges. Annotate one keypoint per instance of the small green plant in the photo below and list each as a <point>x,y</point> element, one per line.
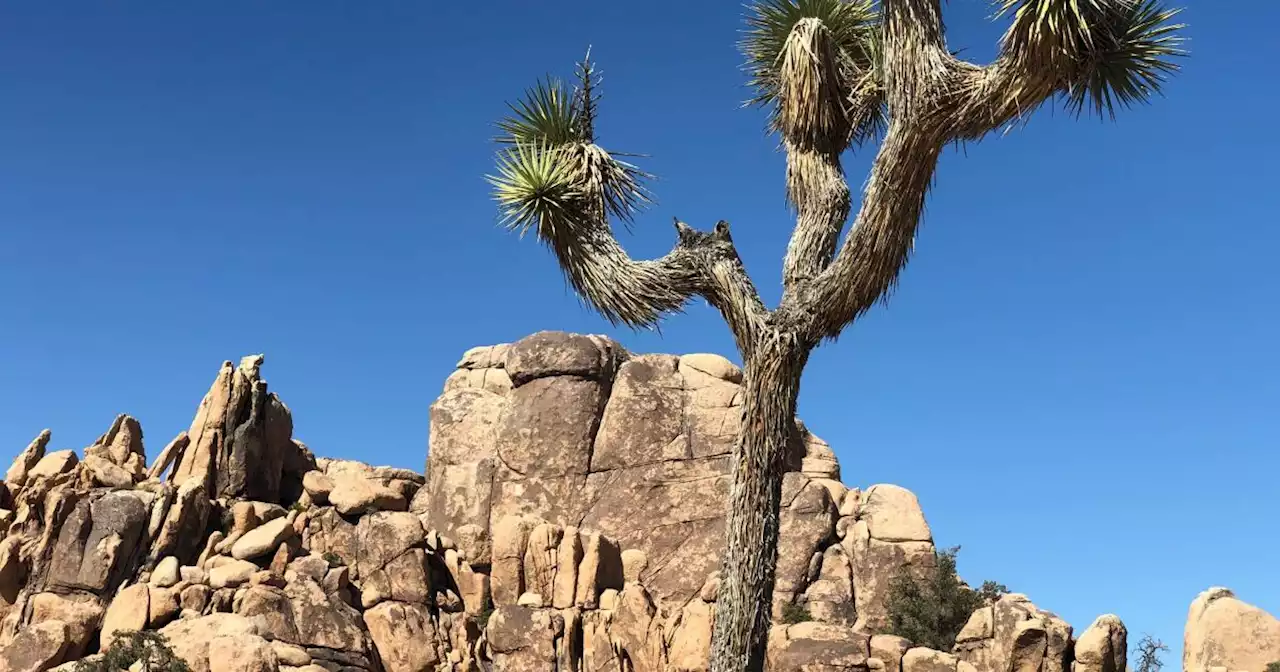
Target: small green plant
<point>151,649</point>
<point>795,613</point>
<point>1273,667</point>
<point>1149,650</point>
<point>333,559</point>
<point>931,605</point>
<point>482,618</point>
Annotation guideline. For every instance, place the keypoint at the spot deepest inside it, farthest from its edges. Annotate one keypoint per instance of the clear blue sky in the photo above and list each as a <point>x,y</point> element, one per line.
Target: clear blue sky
<point>1079,376</point>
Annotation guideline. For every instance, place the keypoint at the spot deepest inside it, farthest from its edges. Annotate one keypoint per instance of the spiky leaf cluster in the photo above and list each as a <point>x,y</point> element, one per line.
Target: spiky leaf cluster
<point>817,64</point>
<point>551,176</point>
<point>1113,52</point>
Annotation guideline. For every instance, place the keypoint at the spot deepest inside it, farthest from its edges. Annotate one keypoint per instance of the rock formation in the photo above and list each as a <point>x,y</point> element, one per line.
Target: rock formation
<point>1225,634</point>
<point>570,520</point>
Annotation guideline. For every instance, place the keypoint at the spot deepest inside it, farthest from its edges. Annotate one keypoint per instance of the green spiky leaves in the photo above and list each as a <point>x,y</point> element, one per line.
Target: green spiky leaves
<point>1113,53</point>
<point>551,177</point>
<point>548,113</point>
<point>817,64</point>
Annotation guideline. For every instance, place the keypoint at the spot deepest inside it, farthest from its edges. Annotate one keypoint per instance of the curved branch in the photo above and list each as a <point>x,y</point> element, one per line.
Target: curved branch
<point>639,293</point>
<point>728,287</point>
<point>879,244</point>
<point>984,99</point>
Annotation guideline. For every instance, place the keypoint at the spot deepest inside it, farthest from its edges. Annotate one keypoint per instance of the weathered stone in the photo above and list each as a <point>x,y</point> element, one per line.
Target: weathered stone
<point>510,541</point>
<point>169,456</point>
<point>263,539</point>
<point>568,558</point>
<point>105,473</point>
<point>168,572</point>
<point>231,573</point>
<point>893,514</point>
<point>921,659</point>
<point>28,459</point>
<point>242,653</point>
<point>36,648</point>
<point>130,610</point>
<point>81,613</point>
<point>713,365</point>
<point>353,496</point>
<point>291,654</point>
<point>556,354</point>
<point>634,562</point>
<point>523,640</point>
<point>601,569</point>
<point>182,533</point>
<point>875,563</point>
<point>195,598</point>
<point>97,541</point>
<point>404,635</point>
<point>1223,631</point>
<point>318,485</point>
<point>691,639</point>
<point>549,427</point>
<point>540,561</point>
<point>119,443</point>
<point>889,649</point>
<point>302,613</point>
<point>164,606</point>
<point>53,464</point>
<point>313,565</point>
<point>1103,647</point>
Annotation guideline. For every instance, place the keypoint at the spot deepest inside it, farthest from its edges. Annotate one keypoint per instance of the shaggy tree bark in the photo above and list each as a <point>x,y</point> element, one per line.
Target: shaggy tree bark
<point>830,86</point>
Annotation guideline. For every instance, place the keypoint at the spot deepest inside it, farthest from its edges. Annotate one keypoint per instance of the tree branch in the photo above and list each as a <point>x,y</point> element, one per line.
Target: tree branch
<point>916,70</point>
<point>639,293</point>
<point>983,99</point>
<point>728,287</point>
<point>879,243</point>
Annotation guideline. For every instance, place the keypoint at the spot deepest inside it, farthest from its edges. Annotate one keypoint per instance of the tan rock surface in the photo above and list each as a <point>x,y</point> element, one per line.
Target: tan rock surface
<point>1224,631</point>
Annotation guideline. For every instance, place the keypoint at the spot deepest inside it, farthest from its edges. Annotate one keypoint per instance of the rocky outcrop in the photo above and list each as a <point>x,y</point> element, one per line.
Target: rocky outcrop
<point>1225,633</point>
<point>570,519</point>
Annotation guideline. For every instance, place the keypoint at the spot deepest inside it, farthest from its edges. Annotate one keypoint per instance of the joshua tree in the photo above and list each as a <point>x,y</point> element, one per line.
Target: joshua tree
<point>835,75</point>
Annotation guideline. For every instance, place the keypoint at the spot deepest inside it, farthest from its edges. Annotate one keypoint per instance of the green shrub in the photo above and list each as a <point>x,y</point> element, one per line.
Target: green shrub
<point>1273,667</point>
<point>333,559</point>
<point>795,613</point>
<point>149,648</point>
<point>931,606</point>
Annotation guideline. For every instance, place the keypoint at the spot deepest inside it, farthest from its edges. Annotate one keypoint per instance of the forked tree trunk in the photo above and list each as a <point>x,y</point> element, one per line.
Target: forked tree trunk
<point>743,611</point>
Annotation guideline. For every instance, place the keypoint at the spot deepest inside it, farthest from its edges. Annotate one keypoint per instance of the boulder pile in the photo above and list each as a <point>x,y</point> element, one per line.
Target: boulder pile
<point>570,520</point>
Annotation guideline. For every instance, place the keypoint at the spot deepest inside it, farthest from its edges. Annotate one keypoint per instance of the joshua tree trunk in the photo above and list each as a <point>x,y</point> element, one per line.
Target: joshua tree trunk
<point>742,619</point>
<point>835,74</point>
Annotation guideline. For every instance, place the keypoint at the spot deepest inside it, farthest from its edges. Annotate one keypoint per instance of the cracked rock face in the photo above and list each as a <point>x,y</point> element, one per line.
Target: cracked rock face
<point>570,520</point>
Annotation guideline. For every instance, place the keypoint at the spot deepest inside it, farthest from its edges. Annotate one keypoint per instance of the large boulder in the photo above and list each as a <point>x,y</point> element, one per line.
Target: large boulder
<point>96,545</point>
<point>36,648</point>
<point>1014,634</point>
<point>1223,631</point>
<point>634,448</point>
<point>404,635</point>
<point>191,639</point>
<point>241,437</point>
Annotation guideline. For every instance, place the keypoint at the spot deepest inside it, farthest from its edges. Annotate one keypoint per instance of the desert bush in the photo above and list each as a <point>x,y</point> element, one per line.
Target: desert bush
<point>151,649</point>
<point>1149,650</point>
<point>795,613</point>
<point>931,606</point>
